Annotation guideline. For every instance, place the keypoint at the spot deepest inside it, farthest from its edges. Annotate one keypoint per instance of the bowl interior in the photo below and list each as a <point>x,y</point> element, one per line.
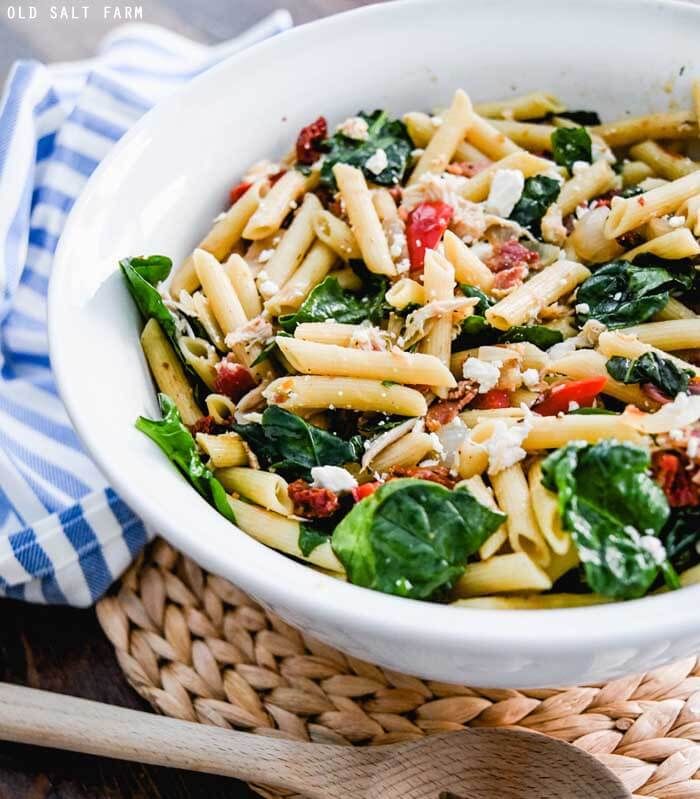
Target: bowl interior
<point>163,184</point>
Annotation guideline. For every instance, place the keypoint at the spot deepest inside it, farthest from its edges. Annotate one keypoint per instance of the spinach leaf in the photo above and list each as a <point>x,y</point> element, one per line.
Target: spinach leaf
<point>269,350</point>
<point>681,537</point>
<point>309,539</point>
<point>485,302</point>
<point>412,537</point>
<point>374,424</point>
<point>538,194</point>
<point>329,301</point>
<point>286,443</point>
<point>570,145</point>
<point>389,135</point>
<point>142,274</point>
<point>476,332</point>
<point>650,368</point>
<point>177,443</point>
<point>621,294</point>
<point>579,117</point>
<point>614,512</point>
<point>539,335</point>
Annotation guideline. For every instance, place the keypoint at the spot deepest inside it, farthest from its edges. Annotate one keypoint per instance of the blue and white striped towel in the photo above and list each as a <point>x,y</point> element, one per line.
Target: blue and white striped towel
<point>64,534</point>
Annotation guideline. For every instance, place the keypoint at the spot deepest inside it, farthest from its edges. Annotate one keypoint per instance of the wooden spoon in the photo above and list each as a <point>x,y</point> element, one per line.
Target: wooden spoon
<point>471,764</point>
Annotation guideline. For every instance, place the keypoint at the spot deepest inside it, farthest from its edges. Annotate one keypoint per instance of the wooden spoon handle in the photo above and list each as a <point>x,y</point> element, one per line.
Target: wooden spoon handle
<point>30,716</point>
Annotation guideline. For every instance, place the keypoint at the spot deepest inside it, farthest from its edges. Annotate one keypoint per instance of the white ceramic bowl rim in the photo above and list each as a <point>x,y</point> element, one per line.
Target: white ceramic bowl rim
<point>527,631</point>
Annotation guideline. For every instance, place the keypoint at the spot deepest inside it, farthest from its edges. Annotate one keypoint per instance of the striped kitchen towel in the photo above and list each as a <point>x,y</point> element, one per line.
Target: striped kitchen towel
<point>64,534</point>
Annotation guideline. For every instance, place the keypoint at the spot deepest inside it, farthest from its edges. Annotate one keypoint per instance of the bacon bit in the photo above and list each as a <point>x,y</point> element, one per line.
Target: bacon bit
<point>655,393</point>
<point>641,201</point>
<point>309,139</point>
<point>630,239</point>
<point>205,424</point>
<point>444,411</point>
<point>396,194</point>
<point>435,474</point>
<point>496,398</point>
<point>312,503</point>
<point>510,278</point>
<point>671,474</point>
<point>361,492</point>
<point>233,379</point>
<point>238,191</point>
<point>509,254</point>
<point>467,169</point>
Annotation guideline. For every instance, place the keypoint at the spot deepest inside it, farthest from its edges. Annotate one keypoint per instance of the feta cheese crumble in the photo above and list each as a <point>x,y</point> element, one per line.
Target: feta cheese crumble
<point>582,307</point>
<point>354,128</point>
<point>506,187</point>
<point>486,374</point>
<point>377,163</point>
<point>334,478</point>
<point>504,446</point>
<point>676,221</point>
<point>265,255</point>
<point>579,166</point>
<point>531,378</point>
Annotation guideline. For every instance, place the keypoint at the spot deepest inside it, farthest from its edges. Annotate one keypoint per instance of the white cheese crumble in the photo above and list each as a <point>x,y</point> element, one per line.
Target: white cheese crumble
<point>397,244</point>
<point>485,373</point>
<point>334,478</point>
<point>531,378</point>
<point>377,163</point>
<point>579,166</point>
<point>354,128</point>
<point>676,221</point>
<point>265,255</point>
<point>504,446</point>
<point>403,266</point>
<point>582,307</point>
<point>693,447</point>
<point>268,288</point>
<point>506,187</point>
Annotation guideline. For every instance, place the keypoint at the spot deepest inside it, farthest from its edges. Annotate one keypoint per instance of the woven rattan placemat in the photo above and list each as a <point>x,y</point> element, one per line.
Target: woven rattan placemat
<point>197,648</point>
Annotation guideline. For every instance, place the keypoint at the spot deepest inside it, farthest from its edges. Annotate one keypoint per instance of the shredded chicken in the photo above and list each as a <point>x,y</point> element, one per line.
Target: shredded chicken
<point>416,321</point>
<point>258,331</point>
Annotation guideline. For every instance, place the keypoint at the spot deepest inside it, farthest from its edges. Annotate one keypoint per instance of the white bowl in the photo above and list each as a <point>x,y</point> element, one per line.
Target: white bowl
<point>165,181</point>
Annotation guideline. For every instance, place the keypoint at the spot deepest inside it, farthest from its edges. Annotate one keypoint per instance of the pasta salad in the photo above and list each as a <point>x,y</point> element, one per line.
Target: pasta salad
<point>452,357</point>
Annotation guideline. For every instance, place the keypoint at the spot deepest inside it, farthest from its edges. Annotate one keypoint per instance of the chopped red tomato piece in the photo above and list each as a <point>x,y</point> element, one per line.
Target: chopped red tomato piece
<point>671,474</point>
<point>424,228</point>
<point>558,399</point>
<point>205,424</point>
<point>496,398</point>
<point>233,379</point>
<point>360,492</point>
<point>309,140</point>
<point>238,191</point>
<point>434,474</point>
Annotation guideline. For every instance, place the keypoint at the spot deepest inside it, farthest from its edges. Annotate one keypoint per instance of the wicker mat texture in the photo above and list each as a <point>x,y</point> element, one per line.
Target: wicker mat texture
<point>197,648</point>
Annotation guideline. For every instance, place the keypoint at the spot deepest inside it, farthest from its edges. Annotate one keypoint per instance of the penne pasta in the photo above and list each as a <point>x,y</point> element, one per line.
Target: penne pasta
<point>528,106</point>
<point>167,371</point>
<point>336,234</point>
<point>316,265</point>
<point>439,150</point>
<point>674,334</point>
<point>298,393</point>
<point>530,298</point>
<point>274,207</point>
<point>224,450</point>
<point>670,125</point>
<point>310,358</point>
<point>364,221</point>
<point>262,488</point>
<point>502,574</point>
<point>468,267</point>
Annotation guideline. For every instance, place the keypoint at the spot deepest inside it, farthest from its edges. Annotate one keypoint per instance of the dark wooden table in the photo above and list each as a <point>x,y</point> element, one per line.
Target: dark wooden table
<point>61,649</point>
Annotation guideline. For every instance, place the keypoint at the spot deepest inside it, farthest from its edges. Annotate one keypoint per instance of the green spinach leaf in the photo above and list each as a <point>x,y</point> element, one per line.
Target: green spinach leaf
<point>142,274</point>
<point>412,537</point>
<point>538,194</point>
<point>389,135</point>
<point>614,512</point>
<point>570,145</point>
<point>286,443</point>
<point>539,335</point>
<point>621,294</point>
<point>309,539</point>
<point>329,301</point>
<point>177,443</point>
<point>681,537</point>
<point>650,368</point>
<point>485,302</point>
<point>587,118</point>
